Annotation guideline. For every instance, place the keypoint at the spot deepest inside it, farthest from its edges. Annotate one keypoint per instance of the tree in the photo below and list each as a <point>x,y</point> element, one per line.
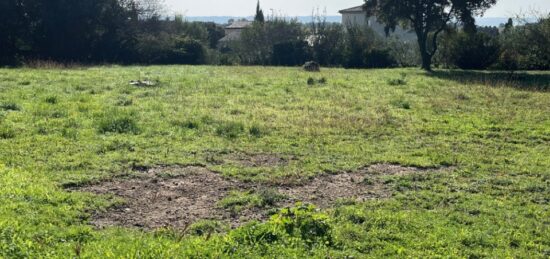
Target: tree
<point>427,18</point>
<point>259,14</point>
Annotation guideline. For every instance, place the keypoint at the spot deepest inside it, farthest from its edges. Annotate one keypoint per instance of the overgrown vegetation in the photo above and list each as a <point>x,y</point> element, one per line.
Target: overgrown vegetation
<point>493,130</point>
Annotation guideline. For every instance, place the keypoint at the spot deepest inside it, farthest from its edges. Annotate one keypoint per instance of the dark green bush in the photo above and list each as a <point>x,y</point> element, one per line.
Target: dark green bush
<point>379,58</point>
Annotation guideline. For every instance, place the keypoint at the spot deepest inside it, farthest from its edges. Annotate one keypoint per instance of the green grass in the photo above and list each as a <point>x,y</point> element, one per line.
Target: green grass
<point>61,127</point>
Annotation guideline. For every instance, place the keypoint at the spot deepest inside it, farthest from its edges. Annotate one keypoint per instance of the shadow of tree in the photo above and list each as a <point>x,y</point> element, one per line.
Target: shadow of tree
<point>532,81</point>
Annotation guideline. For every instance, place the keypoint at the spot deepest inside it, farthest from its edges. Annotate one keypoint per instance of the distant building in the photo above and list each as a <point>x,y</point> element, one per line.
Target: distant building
<point>234,30</point>
<point>357,16</point>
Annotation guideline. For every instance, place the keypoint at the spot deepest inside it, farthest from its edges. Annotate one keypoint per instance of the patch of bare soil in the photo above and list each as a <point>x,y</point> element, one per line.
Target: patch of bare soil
<point>363,184</point>
<point>257,160</point>
<point>164,196</point>
<point>179,196</point>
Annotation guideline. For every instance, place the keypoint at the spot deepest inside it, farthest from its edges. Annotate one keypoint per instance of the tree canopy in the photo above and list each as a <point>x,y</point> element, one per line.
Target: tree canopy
<point>427,18</point>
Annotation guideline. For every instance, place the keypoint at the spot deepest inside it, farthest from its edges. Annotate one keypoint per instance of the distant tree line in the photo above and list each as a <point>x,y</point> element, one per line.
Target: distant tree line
<point>135,32</point>
<point>100,31</point>
<point>523,47</point>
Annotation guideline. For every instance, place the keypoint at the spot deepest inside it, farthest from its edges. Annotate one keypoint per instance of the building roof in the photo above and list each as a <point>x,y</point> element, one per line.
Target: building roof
<point>239,25</point>
<point>357,9</point>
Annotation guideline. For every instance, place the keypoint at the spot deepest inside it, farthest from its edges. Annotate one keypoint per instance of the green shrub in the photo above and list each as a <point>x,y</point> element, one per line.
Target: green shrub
<point>307,224</point>
<point>379,58</point>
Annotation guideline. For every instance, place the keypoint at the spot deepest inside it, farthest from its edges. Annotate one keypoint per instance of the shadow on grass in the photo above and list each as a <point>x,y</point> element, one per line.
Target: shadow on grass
<point>532,81</point>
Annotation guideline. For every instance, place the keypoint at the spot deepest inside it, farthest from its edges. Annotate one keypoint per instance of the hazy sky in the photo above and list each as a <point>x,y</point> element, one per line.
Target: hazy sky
<point>504,8</point>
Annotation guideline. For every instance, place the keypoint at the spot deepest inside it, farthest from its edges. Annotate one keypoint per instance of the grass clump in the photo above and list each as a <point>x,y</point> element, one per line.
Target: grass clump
<point>402,104</point>
<point>312,81</point>
<point>118,123</point>
<point>257,131</point>
<point>402,80</point>
<point>7,132</point>
<point>187,124</point>
<point>10,106</point>
<point>230,129</point>
<point>52,99</point>
<point>207,227</point>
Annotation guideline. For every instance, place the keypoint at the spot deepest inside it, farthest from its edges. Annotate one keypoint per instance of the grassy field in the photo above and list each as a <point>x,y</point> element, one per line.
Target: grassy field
<point>67,128</point>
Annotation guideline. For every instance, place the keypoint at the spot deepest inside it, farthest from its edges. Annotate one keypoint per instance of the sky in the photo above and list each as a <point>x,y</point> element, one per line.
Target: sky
<point>504,8</point>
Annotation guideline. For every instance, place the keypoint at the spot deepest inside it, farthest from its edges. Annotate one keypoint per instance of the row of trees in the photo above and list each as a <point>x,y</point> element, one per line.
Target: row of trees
<point>132,32</point>
<point>100,31</point>
<point>512,47</point>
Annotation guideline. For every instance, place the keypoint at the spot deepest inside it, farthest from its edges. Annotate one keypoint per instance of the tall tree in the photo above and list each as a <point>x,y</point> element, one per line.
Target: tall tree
<point>259,14</point>
<point>428,18</point>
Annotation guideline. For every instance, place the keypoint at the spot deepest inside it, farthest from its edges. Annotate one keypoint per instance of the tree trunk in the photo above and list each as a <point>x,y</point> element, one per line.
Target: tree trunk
<point>426,57</point>
<point>426,61</point>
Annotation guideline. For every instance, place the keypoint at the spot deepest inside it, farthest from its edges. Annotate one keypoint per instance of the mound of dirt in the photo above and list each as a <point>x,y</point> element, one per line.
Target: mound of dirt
<point>175,196</point>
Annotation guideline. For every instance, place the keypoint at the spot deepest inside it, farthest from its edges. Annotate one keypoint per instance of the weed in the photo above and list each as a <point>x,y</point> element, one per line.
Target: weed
<point>230,129</point>
<point>402,104</point>
<point>310,81</point>
<point>124,101</point>
<point>118,123</point>
<point>397,81</point>
<point>190,124</point>
<point>10,106</point>
<point>256,131</point>
<point>402,80</point>
<point>7,132</point>
<point>52,99</point>
<point>207,227</point>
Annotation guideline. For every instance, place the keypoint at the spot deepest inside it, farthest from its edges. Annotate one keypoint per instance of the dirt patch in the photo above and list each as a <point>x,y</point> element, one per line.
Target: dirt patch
<point>164,196</point>
<point>363,184</point>
<point>174,196</point>
<point>257,160</point>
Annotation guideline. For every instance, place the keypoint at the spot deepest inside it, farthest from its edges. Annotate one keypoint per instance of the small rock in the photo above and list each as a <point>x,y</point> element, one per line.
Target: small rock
<point>142,83</point>
<point>312,66</point>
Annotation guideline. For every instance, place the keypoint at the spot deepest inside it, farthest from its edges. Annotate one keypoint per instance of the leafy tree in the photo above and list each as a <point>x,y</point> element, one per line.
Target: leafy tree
<point>428,18</point>
<point>327,41</point>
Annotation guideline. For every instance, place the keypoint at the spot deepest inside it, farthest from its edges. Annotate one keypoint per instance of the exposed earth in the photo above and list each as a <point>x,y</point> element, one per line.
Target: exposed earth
<point>177,196</point>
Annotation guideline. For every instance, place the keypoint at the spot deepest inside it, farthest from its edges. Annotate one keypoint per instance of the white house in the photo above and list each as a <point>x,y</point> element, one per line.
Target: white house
<point>356,16</point>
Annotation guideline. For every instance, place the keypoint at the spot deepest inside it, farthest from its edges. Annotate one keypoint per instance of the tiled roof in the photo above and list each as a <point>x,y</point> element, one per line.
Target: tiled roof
<point>239,25</point>
<point>357,9</point>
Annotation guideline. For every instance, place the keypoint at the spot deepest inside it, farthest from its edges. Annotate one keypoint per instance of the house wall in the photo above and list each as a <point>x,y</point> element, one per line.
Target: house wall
<point>360,19</point>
